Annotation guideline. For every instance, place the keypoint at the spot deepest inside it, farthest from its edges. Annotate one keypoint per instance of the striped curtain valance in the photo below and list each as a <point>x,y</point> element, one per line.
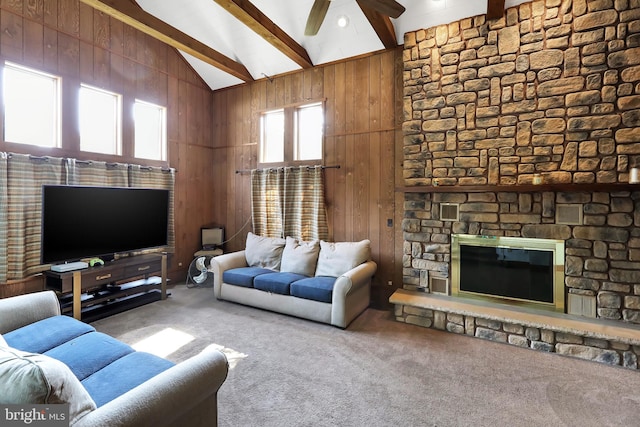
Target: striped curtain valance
<point>289,201</point>
<point>21,179</point>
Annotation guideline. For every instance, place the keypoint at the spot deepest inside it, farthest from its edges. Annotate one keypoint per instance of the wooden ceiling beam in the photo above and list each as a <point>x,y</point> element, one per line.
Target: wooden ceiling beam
<point>132,15</point>
<point>253,18</point>
<point>381,25</point>
<point>495,9</point>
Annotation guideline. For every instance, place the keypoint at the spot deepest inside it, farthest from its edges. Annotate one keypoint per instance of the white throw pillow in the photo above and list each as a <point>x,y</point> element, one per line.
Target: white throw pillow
<point>39,379</point>
<point>336,259</point>
<point>265,252</point>
<point>300,257</point>
<point>3,343</point>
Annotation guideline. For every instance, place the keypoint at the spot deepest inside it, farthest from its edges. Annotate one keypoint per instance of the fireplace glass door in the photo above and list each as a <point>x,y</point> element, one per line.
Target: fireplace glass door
<point>513,270</point>
<point>507,272</point>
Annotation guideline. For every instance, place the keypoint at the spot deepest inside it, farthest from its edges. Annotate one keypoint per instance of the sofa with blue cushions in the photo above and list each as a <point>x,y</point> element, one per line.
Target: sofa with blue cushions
<point>327,282</point>
<point>47,358</point>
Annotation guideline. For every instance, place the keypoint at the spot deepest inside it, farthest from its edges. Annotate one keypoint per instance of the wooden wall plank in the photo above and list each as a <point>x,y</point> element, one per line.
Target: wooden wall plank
<point>69,16</point>
<point>34,9</point>
<point>12,34</point>
<point>33,42</point>
<point>50,52</point>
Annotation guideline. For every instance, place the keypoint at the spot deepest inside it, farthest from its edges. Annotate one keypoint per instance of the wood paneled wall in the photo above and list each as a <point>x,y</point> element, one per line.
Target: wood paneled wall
<point>72,40</point>
<point>363,136</point>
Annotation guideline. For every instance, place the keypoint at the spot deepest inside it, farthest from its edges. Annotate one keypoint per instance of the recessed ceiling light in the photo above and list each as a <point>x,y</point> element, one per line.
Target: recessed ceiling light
<point>343,21</point>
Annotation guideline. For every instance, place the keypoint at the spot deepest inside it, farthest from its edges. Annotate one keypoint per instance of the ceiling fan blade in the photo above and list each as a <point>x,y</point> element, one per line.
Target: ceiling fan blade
<point>316,16</point>
<point>387,7</point>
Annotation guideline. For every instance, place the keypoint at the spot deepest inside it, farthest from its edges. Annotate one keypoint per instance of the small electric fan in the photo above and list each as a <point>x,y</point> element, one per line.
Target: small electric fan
<point>198,274</point>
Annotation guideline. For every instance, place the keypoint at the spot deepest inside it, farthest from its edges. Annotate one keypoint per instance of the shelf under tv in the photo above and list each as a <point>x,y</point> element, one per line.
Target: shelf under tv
<point>93,293</point>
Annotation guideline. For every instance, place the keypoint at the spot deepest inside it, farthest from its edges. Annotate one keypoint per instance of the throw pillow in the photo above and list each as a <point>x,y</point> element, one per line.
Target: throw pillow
<point>300,257</point>
<point>3,343</point>
<point>336,259</point>
<point>39,379</point>
<point>265,252</point>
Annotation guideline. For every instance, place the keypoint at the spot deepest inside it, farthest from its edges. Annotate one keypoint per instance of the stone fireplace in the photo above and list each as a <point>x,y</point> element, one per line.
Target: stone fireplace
<point>516,122</point>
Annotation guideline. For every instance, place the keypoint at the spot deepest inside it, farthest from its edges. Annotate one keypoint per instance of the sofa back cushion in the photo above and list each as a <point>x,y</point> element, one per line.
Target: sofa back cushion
<point>39,379</point>
<point>264,252</point>
<point>300,257</point>
<point>337,258</point>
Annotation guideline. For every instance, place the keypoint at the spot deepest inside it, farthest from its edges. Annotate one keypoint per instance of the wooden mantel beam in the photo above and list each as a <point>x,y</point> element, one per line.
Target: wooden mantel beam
<point>381,25</point>
<point>495,9</point>
<point>253,18</point>
<point>131,14</point>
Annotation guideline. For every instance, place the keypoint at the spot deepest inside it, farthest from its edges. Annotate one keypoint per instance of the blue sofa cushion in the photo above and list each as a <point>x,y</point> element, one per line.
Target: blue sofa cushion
<point>278,283</point>
<point>318,288</point>
<point>243,276</point>
<point>45,334</point>
<point>123,375</point>
<point>89,353</point>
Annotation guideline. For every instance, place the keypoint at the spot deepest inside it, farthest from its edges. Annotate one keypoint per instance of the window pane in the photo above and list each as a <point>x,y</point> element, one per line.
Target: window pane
<point>99,121</point>
<point>150,131</point>
<point>309,126</point>
<point>31,106</point>
<point>272,141</point>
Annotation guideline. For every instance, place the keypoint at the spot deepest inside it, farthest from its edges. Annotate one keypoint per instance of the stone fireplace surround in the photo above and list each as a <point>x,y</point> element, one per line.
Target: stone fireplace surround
<point>601,261</point>
<point>550,90</point>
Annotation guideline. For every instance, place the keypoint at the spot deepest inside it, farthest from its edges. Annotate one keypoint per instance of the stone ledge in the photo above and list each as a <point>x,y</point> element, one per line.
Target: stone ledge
<point>557,322</point>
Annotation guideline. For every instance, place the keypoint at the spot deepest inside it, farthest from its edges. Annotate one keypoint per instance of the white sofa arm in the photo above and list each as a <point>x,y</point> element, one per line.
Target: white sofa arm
<point>22,310</point>
<point>354,279</point>
<point>222,263</point>
<point>184,395</point>
<point>350,283</point>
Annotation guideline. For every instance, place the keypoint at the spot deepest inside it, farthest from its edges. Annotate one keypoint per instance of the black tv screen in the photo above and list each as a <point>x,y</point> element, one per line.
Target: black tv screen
<point>81,222</point>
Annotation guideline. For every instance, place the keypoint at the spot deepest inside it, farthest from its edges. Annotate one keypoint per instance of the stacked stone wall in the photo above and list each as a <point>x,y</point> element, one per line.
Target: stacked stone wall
<point>553,88</point>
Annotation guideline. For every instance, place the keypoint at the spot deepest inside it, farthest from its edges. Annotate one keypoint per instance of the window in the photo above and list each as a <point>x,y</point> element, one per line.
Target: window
<point>272,141</point>
<point>31,106</point>
<point>150,139</point>
<point>100,121</point>
<point>308,136</point>
<point>293,134</point>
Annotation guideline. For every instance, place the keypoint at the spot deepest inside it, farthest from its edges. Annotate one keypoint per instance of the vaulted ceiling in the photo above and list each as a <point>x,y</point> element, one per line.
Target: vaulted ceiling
<point>230,42</point>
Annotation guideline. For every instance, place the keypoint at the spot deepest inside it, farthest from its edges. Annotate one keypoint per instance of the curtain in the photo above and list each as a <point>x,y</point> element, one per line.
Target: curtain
<point>97,173</point>
<point>21,180</point>
<point>289,202</point>
<point>23,177</point>
<point>267,201</point>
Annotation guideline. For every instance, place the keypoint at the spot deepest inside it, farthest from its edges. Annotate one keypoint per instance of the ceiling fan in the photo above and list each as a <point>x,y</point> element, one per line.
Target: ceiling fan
<point>319,9</point>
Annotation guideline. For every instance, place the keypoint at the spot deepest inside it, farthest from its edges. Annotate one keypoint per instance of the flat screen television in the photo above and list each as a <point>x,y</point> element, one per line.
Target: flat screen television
<point>80,222</point>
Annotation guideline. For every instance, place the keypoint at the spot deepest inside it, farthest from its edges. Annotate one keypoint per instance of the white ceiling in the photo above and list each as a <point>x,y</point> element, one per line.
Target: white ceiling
<point>209,23</point>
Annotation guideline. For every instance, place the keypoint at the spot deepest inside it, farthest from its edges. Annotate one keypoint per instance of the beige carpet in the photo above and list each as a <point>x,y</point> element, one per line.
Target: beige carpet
<point>378,372</point>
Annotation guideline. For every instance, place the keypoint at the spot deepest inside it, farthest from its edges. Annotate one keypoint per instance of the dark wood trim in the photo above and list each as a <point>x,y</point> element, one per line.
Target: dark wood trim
<point>525,188</point>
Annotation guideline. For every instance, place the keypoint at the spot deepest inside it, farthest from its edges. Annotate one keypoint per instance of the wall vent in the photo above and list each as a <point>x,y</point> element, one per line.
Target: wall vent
<point>439,285</point>
<point>449,211</point>
<point>569,214</point>
<point>581,305</point>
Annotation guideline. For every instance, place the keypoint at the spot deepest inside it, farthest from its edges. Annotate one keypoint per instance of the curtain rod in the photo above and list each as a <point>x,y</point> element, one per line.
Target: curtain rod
<point>308,167</point>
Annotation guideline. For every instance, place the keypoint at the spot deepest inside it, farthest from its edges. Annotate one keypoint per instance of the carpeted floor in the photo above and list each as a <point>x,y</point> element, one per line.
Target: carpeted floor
<point>378,372</point>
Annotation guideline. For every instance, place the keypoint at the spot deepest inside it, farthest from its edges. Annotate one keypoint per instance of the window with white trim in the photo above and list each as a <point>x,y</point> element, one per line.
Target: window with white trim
<point>292,135</point>
<point>150,135</point>
<point>100,118</point>
<point>31,106</point>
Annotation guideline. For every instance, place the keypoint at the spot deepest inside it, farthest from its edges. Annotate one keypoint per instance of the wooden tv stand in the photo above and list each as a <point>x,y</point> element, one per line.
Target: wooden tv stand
<point>95,292</point>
